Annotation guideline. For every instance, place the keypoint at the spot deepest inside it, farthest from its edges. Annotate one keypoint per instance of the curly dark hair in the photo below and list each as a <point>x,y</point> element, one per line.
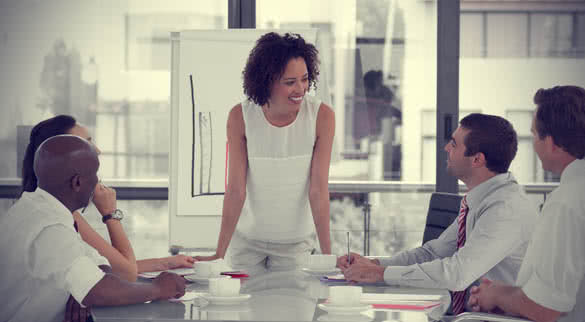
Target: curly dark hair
<point>268,60</point>
<point>560,113</point>
<point>493,136</point>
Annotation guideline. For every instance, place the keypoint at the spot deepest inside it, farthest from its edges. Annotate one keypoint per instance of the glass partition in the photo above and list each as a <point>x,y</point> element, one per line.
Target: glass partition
<point>107,63</point>
<point>380,60</point>
<point>509,51</point>
<point>383,219</point>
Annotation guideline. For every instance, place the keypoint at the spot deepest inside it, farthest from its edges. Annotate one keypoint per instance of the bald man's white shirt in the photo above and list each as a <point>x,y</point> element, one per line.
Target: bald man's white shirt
<point>44,260</point>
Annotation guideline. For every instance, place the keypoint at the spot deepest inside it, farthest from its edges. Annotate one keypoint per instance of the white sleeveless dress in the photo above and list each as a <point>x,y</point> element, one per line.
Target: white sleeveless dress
<point>276,218</point>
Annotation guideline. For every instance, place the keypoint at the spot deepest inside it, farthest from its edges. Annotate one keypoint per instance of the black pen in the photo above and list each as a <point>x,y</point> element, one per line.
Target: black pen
<point>348,253</point>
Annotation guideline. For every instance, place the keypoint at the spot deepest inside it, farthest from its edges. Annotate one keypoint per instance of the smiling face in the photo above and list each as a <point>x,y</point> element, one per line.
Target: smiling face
<point>287,93</point>
<point>458,164</point>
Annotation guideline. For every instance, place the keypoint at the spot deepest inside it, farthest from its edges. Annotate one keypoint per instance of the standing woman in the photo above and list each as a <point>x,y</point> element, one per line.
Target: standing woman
<point>119,253</point>
<point>280,143</point>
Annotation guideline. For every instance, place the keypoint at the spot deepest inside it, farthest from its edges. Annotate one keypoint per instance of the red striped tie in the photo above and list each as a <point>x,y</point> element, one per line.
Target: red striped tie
<point>459,296</point>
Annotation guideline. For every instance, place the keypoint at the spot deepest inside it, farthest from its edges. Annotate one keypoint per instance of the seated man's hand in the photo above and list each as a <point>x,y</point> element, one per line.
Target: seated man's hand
<point>482,297</point>
<point>364,271</point>
<point>180,261</point>
<point>343,263</point>
<point>170,285</point>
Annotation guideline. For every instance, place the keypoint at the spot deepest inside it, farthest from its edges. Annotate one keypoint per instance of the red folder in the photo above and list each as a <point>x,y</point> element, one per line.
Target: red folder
<point>236,274</point>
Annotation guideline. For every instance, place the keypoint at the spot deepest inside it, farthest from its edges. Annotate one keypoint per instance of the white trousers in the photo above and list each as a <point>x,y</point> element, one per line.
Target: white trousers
<point>257,257</point>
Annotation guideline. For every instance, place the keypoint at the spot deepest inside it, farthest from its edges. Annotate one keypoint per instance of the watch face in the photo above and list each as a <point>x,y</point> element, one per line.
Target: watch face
<point>118,214</point>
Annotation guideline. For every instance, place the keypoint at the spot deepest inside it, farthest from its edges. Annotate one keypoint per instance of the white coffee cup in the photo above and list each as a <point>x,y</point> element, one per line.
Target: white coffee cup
<point>207,269</point>
<point>224,286</point>
<point>322,262</point>
<point>345,295</point>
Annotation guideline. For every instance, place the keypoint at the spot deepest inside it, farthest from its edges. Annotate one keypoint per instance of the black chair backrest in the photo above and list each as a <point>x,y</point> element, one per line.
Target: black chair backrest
<point>443,209</point>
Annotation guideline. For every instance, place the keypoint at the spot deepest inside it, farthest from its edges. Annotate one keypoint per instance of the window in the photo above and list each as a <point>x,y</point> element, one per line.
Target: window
<point>551,35</point>
<point>524,51</point>
<point>506,35</point>
<point>472,34</point>
<point>379,55</point>
<point>106,63</point>
<point>524,166</point>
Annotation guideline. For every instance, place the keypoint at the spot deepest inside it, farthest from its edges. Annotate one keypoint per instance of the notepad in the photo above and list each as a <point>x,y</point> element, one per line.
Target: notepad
<point>399,297</point>
<point>333,278</point>
<point>236,274</point>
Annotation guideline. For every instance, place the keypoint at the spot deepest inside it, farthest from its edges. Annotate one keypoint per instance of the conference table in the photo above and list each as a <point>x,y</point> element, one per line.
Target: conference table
<point>287,296</point>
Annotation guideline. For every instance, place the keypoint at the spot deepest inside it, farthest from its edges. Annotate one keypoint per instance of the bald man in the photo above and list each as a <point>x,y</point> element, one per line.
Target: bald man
<point>44,260</point>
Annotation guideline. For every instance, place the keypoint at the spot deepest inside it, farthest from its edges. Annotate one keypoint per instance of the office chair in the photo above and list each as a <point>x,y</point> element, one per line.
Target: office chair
<point>443,209</point>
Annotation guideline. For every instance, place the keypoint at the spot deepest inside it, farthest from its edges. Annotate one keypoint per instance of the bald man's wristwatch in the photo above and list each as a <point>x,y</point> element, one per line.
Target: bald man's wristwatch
<point>117,214</point>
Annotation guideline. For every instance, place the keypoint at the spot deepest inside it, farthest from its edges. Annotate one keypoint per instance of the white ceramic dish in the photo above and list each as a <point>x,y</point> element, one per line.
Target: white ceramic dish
<point>202,280</point>
<point>225,300</point>
<point>321,272</point>
<point>342,309</point>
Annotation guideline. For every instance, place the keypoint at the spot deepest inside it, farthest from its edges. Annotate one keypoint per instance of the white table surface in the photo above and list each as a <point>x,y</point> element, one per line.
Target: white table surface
<point>276,296</point>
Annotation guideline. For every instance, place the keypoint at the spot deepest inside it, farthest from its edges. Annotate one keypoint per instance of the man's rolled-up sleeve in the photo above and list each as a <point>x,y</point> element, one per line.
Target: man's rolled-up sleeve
<point>560,267</point>
<point>81,277</point>
<point>59,254</point>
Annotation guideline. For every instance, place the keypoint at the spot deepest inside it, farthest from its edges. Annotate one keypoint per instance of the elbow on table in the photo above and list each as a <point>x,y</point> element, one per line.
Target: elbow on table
<point>131,274</point>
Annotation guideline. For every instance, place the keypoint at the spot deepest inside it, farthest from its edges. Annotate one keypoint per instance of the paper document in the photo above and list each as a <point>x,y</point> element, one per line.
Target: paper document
<point>398,297</point>
<point>416,306</point>
<point>178,271</point>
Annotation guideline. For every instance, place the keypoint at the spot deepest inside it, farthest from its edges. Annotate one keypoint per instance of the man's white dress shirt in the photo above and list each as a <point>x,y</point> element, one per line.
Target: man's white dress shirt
<point>499,225</point>
<point>44,260</point>
<point>553,272</point>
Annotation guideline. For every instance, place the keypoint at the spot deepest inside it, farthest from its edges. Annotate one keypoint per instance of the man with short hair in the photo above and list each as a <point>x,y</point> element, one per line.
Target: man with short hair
<point>551,281</point>
<point>489,237</point>
<point>44,260</point>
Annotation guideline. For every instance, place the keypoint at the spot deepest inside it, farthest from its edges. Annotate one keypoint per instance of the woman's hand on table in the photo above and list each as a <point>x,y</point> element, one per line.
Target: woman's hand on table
<point>180,261</point>
<point>207,258</point>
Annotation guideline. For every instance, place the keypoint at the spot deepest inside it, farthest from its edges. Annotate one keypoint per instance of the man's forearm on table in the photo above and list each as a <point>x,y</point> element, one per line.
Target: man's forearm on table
<point>112,291</point>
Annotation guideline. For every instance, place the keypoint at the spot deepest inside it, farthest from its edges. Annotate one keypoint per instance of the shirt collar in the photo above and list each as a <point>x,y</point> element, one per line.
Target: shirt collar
<point>61,212</point>
<point>479,192</point>
<point>573,170</point>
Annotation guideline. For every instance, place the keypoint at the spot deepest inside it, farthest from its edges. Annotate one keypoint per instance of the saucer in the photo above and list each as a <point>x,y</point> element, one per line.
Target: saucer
<point>321,272</point>
<point>225,300</point>
<point>189,296</point>
<point>342,309</point>
<point>203,280</point>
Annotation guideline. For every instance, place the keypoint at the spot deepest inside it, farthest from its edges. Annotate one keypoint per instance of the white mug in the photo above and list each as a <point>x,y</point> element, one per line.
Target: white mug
<point>224,286</point>
<point>345,295</point>
<point>207,269</point>
<point>322,262</point>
